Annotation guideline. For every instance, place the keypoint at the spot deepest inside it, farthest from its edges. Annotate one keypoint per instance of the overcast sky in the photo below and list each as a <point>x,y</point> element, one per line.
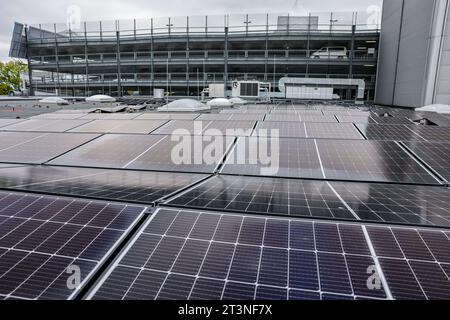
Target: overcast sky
<point>49,11</point>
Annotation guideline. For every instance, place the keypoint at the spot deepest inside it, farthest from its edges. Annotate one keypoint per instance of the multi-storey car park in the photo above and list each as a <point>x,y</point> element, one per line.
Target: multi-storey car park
<point>184,55</point>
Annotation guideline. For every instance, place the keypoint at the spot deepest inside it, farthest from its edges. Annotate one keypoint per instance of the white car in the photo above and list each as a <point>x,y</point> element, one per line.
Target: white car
<point>331,53</point>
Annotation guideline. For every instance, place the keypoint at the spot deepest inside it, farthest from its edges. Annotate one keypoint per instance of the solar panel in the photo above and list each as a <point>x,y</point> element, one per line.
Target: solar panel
<point>109,151</point>
<point>7,122</point>
<point>414,262</point>
<point>392,120</point>
<point>263,110</point>
<point>110,116</point>
<point>11,139</point>
<point>354,119</point>
<point>314,118</point>
<point>431,133</point>
<point>332,131</point>
<point>192,255</point>
<point>310,112</point>
<point>9,165</point>
<point>371,161</point>
<point>283,117</point>
<point>45,125</point>
<point>200,154</point>
<point>284,129</point>
<point>181,127</point>
<point>397,204</point>
<point>283,112</point>
<point>247,117</point>
<point>59,116</point>
<point>44,239</point>
<point>350,112</point>
<point>293,197</point>
<point>296,158</point>
<point>121,126</point>
<point>388,132</point>
<point>43,148</point>
<point>230,128</point>
<point>214,117</point>
<point>116,185</point>
<point>167,116</point>
<point>434,154</point>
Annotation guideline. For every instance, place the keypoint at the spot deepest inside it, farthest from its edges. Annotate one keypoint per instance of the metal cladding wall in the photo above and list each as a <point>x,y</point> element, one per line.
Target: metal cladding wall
<point>442,94</point>
<point>412,66</point>
<point>389,40</point>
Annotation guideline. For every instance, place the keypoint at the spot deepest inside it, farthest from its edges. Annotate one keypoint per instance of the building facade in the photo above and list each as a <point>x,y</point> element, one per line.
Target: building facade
<point>185,55</point>
<point>414,64</point>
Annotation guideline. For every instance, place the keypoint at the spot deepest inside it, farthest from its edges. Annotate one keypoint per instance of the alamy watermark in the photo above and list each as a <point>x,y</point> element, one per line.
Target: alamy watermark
<point>74,279</point>
<point>209,147</point>
<point>374,280</point>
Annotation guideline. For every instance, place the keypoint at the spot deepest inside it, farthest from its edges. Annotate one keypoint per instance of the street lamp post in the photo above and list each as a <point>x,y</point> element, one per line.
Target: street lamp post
<point>169,25</point>
<point>246,22</point>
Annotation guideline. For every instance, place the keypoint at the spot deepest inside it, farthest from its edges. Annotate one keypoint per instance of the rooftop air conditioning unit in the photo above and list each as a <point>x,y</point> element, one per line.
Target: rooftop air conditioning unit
<point>246,89</point>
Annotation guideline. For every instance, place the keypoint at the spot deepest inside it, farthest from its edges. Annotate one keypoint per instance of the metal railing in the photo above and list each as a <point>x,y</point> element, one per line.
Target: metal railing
<point>207,26</point>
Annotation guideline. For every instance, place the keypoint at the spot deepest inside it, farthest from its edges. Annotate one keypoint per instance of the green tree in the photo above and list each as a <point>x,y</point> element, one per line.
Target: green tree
<point>10,76</point>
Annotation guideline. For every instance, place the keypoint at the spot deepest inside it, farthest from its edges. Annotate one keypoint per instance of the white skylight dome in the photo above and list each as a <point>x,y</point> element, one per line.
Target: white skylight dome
<point>184,105</point>
<point>219,103</point>
<point>54,100</point>
<point>100,98</point>
<point>238,101</point>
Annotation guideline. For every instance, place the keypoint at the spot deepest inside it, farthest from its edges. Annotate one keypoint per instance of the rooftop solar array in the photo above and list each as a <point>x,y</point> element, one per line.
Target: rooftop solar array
<point>332,131</point>
<point>388,132</point>
<point>371,202</point>
<point>317,118</point>
<point>382,161</point>
<point>118,185</point>
<point>436,155</point>
<point>183,127</point>
<point>44,125</point>
<point>282,129</point>
<point>283,117</point>
<point>214,117</point>
<point>397,204</point>
<point>270,196</point>
<point>247,117</point>
<point>297,158</point>
<point>59,116</point>
<point>354,119</point>
<point>183,154</point>
<point>167,116</point>
<point>300,201</point>
<point>109,116</point>
<point>182,254</point>
<point>431,133</point>
<point>7,122</point>
<point>230,128</point>
<point>39,148</point>
<point>120,126</point>
<point>109,151</point>
<point>392,120</point>
<point>42,237</point>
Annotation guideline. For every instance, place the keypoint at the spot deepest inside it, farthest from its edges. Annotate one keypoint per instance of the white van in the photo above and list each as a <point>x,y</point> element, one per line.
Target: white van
<point>331,53</point>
